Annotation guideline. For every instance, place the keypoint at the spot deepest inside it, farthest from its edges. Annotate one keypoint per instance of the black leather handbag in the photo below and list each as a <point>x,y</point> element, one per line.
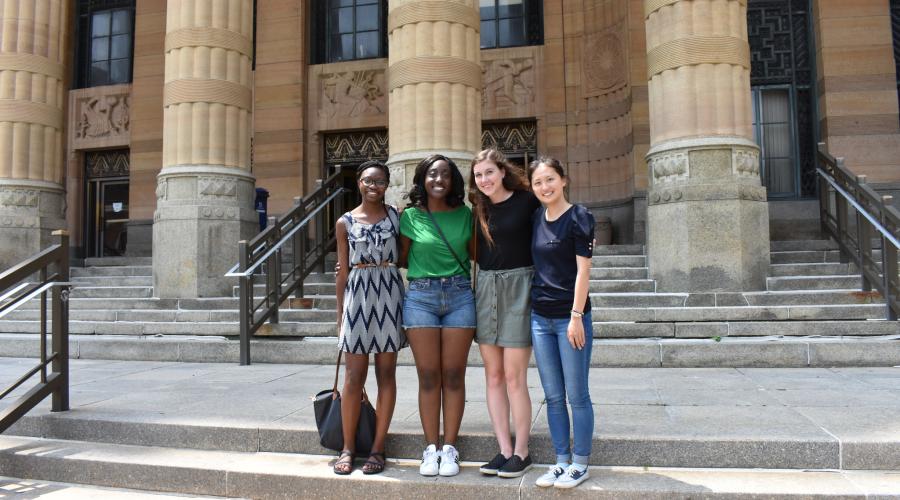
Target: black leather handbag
<point>327,407</point>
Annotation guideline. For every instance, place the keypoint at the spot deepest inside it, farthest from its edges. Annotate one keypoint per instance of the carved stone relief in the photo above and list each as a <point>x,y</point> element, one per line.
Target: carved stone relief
<point>216,187</point>
<point>603,62</point>
<point>352,93</point>
<point>18,198</point>
<point>670,168</point>
<point>102,116</point>
<point>745,163</point>
<point>508,82</point>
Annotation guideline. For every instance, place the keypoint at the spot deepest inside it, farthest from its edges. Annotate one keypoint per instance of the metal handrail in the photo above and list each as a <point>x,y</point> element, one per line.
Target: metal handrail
<point>304,236</point>
<point>875,219</point>
<point>17,288</point>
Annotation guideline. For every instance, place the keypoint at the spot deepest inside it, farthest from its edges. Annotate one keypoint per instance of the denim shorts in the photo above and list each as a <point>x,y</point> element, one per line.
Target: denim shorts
<point>439,303</point>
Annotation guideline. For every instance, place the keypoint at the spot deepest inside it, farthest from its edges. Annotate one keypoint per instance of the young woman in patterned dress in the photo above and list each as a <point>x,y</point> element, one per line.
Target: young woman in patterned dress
<point>369,304</point>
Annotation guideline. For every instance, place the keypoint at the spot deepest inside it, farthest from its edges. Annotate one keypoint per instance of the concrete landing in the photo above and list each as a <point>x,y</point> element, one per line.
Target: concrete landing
<point>811,418</point>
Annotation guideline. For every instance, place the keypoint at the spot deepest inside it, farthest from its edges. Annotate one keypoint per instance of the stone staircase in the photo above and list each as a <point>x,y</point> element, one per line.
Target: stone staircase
<point>812,314</point>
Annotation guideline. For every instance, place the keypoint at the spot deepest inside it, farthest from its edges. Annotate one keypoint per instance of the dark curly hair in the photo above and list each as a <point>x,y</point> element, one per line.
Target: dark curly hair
<point>418,197</point>
<point>373,164</point>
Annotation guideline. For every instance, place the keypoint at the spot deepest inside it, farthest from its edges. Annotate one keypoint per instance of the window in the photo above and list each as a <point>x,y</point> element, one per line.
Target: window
<point>511,23</point>
<point>773,131</point>
<point>106,34</point>
<point>346,30</point>
<point>781,78</point>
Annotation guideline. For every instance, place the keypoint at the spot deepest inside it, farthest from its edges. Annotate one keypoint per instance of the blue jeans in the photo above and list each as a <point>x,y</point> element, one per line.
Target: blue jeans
<point>564,372</point>
<point>439,303</point>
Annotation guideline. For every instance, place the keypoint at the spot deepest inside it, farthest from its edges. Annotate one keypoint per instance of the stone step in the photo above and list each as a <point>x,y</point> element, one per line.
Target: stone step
<point>745,313</point>
<point>713,329</point>
<point>184,328</point>
<point>823,269</point>
<point>619,250</point>
<point>813,297</point>
<point>112,280</point>
<point>103,292</point>
<point>619,261</point>
<point>802,245</point>
<point>118,261</point>
<point>76,272</point>
<point>619,273</point>
<point>36,488</point>
<point>793,283</point>
<point>599,286</point>
<point>765,351</point>
<point>266,475</point>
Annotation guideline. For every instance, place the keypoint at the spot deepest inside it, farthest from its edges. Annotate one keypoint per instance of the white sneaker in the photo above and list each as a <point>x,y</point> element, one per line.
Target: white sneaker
<point>549,478</point>
<point>431,460</point>
<point>449,461</point>
<point>572,478</point>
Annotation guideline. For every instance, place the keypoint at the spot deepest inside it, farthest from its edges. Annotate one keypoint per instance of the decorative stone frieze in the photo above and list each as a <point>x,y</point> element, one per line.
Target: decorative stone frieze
<point>508,82</point>
<point>100,117</point>
<point>350,94</point>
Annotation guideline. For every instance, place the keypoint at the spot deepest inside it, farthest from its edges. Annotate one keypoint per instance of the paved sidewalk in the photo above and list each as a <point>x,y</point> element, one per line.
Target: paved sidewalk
<point>846,418</point>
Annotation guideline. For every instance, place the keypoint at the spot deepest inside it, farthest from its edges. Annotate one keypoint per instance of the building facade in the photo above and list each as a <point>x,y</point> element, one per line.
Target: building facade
<point>144,125</point>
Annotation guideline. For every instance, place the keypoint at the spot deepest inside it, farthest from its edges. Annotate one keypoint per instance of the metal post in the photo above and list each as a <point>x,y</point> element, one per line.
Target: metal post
<point>43,329</point>
<point>297,244</point>
<point>60,340</point>
<point>273,281</point>
<point>889,268</point>
<point>245,299</point>
<point>864,242</point>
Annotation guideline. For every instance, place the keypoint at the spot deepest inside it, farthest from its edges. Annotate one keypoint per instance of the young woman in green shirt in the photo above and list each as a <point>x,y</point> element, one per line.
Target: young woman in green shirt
<point>439,307</point>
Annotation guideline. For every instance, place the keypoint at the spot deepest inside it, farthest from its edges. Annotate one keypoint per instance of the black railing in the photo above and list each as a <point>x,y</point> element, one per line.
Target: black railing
<point>18,286</point>
<point>860,220</point>
<point>303,237</point>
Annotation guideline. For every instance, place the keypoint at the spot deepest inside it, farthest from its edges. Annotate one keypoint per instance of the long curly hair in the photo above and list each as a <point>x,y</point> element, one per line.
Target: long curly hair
<point>417,195</point>
<point>513,180</point>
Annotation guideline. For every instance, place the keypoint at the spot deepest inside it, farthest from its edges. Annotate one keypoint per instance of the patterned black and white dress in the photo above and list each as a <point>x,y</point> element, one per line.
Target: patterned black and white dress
<point>373,298</point>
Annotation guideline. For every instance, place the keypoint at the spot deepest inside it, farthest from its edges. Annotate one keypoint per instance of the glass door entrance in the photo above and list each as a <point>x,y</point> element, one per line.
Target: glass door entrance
<point>108,211</point>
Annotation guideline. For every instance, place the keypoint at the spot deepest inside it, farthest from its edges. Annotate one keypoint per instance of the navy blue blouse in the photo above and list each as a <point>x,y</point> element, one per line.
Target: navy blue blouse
<point>554,246</point>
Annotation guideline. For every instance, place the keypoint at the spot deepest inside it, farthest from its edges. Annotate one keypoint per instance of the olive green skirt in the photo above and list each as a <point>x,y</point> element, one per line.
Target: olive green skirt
<point>503,307</point>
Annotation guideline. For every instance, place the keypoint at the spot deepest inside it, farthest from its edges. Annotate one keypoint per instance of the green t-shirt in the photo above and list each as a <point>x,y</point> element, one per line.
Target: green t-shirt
<point>429,256</point>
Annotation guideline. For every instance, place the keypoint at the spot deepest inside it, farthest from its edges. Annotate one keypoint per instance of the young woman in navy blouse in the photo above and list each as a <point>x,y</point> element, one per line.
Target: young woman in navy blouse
<point>562,246</point>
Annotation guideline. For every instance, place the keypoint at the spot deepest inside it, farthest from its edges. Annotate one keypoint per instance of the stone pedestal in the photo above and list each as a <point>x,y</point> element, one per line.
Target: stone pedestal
<point>708,220</point>
<point>707,217</point>
<point>205,191</point>
<point>201,214</point>
<point>434,78</point>
<point>29,212</point>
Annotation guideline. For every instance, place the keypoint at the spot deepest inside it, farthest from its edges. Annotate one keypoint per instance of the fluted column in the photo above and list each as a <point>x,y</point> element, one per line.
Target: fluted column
<point>205,190</point>
<point>33,36</point>
<point>434,77</point>
<point>708,226</point>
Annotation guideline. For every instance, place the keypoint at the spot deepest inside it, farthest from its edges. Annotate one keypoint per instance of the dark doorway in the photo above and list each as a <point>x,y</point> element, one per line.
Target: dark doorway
<point>106,197</point>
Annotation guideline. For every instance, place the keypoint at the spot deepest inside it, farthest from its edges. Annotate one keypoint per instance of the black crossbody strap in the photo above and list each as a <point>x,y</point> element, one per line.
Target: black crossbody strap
<point>441,233</point>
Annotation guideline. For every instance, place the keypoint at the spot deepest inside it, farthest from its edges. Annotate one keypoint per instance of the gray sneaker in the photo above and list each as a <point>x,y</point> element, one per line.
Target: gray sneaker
<point>549,478</point>
<point>572,478</point>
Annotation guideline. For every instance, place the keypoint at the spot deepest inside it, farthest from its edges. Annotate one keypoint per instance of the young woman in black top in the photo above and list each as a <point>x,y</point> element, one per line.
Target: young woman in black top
<point>502,206</point>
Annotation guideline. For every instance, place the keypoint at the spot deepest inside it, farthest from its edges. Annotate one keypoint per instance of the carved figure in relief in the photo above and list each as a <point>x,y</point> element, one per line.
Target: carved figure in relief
<point>350,94</point>
<point>505,83</point>
<point>102,116</point>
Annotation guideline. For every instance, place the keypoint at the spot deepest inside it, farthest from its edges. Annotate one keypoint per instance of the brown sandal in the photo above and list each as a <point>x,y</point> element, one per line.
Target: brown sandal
<point>374,464</point>
<point>344,464</point>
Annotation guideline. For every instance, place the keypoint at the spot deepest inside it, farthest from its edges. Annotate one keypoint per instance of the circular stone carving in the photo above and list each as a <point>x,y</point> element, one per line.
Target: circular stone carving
<point>206,212</point>
<point>603,62</point>
<point>655,198</point>
<point>667,196</point>
<point>678,195</point>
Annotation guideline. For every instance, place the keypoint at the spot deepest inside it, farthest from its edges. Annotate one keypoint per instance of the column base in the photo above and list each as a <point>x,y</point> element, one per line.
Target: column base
<point>707,217</point>
<point>403,167</point>
<point>29,212</point>
<point>202,212</point>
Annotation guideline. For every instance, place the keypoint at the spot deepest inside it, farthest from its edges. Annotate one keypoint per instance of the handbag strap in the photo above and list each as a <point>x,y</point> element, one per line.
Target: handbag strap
<point>337,372</point>
<point>449,247</point>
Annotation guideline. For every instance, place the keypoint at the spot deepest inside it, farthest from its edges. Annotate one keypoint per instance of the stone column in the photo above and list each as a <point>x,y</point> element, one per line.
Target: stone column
<point>434,79</point>
<point>708,225</point>
<point>205,190</point>
<point>33,50</point>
